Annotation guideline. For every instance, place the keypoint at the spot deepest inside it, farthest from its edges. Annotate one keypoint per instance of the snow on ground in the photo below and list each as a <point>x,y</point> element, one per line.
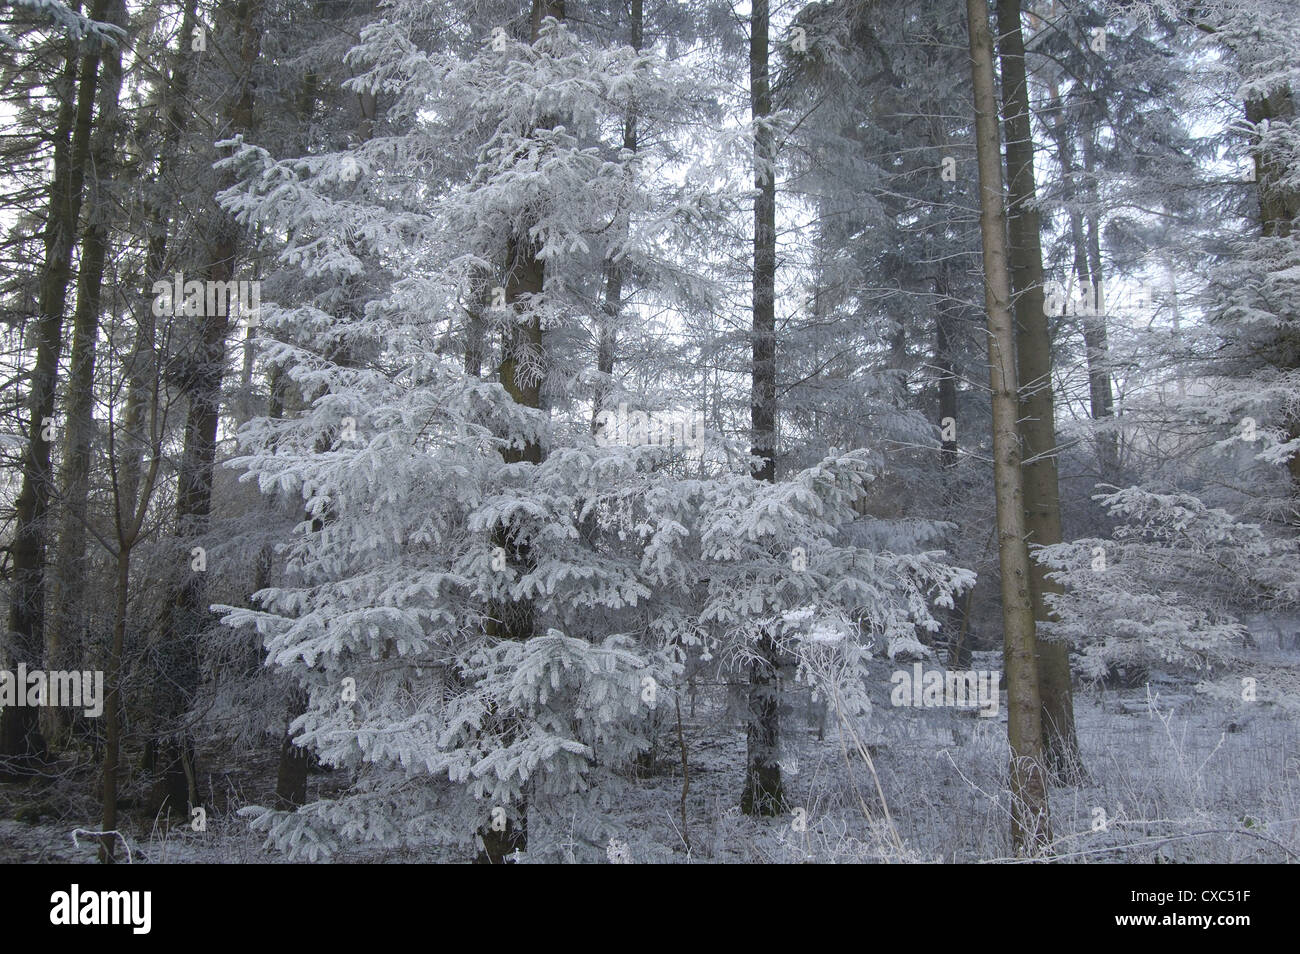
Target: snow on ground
<point>1176,775</point>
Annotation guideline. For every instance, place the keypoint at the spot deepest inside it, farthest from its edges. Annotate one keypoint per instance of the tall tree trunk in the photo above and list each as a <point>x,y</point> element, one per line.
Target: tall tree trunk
<point>138,437</point>
<point>292,770</point>
<point>113,704</point>
<point>68,583</point>
<point>128,515</point>
<point>141,372</point>
<point>184,615</point>
<point>1101,395</point>
<point>1096,340</point>
<point>1030,826</point>
<point>763,793</point>
<point>525,276</point>
<point>608,321</point>
<point>21,741</point>
<point>1034,366</point>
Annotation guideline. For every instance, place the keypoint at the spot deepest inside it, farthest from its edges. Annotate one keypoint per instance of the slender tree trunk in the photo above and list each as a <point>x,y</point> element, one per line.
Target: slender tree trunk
<point>112,705</point>
<point>607,327</point>
<point>138,435</point>
<point>141,372</point>
<point>1030,827</point>
<point>68,582</point>
<point>1034,367</point>
<point>525,276</point>
<point>295,761</point>
<point>129,514</point>
<point>475,325</point>
<point>763,793</point>
<point>1096,340</point>
<point>1101,396</point>
<point>515,620</point>
<point>185,614</point>
<point>21,741</point>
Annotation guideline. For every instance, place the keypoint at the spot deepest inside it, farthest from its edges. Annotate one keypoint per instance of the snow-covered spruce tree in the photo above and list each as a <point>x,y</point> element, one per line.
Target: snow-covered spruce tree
<point>401,573</point>
<point>452,434</point>
<point>1169,588</point>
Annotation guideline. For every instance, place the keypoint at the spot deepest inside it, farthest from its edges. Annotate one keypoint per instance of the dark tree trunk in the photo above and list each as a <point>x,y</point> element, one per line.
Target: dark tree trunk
<point>21,741</point>
<point>943,360</point>
<point>476,324</point>
<point>514,620</point>
<point>68,584</point>
<point>112,706</point>
<point>142,371</point>
<point>291,776</point>
<point>763,793</point>
<point>1101,398</point>
<point>1101,395</point>
<point>1034,367</point>
<point>185,614</point>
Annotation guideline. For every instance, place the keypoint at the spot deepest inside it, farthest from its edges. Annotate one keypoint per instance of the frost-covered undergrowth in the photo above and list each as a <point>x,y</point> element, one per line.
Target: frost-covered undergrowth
<point>1179,774</point>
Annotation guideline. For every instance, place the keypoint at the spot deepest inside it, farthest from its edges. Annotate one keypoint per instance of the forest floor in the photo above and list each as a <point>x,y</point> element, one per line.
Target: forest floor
<point>1176,775</point>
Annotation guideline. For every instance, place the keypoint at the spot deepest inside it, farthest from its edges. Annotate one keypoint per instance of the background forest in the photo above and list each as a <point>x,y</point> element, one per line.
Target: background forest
<point>545,430</point>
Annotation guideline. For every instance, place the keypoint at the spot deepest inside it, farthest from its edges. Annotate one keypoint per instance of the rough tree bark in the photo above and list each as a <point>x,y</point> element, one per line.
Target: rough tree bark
<point>1279,203</point>
<point>1030,826</point>
<point>21,742</point>
<point>763,793</point>
<point>1034,367</point>
<point>68,583</point>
